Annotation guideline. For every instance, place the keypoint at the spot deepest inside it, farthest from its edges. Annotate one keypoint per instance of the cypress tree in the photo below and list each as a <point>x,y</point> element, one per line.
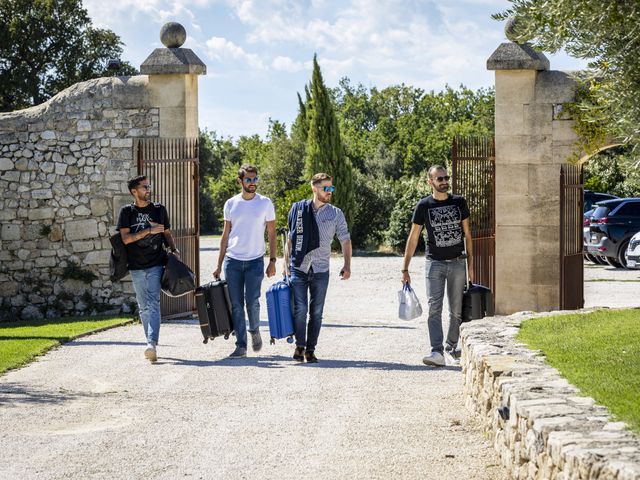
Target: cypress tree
<point>324,152</point>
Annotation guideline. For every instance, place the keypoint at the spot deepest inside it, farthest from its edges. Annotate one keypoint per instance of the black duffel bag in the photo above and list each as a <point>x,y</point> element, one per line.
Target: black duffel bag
<point>177,279</point>
<point>118,259</point>
<point>477,303</point>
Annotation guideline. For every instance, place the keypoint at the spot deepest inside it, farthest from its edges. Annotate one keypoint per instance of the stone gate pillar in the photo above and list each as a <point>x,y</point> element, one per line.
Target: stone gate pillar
<point>173,83</point>
<point>532,140</point>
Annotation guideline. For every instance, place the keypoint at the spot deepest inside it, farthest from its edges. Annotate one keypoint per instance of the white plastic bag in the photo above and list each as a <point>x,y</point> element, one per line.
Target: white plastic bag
<point>410,307</point>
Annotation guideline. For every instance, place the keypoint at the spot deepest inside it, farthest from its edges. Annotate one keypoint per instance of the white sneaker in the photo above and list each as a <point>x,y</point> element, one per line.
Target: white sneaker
<point>434,359</point>
<point>150,353</point>
<point>451,359</point>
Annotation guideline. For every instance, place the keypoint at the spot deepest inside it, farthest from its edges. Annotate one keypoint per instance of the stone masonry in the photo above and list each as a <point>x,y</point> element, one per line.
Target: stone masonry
<point>540,425</point>
<point>64,166</point>
<point>63,171</point>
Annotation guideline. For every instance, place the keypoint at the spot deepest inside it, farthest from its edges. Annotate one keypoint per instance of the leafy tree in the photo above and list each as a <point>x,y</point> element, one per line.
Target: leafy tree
<point>48,45</point>
<point>410,191</point>
<point>324,152</point>
<point>613,171</point>
<point>606,34</point>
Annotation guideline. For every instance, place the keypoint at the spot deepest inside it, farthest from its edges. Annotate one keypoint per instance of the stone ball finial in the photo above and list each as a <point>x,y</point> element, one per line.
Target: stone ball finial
<point>510,29</point>
<point>173,35</point>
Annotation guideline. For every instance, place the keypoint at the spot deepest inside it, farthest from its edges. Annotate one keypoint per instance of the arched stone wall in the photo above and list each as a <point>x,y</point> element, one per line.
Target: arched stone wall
<point>63,171</point>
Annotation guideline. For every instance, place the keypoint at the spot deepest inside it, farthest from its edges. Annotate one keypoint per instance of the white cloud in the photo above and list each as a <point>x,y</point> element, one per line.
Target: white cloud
<point>222,50</point>
<point>286,64</point>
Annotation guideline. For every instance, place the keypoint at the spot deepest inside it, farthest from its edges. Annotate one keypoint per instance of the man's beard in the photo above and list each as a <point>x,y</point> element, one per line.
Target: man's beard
<point>246,188</point>
<point>441,188</point>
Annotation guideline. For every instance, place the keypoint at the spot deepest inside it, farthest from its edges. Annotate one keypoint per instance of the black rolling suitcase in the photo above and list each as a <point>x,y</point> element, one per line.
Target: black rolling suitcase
<point>477,300</point>
<point>214,310</point>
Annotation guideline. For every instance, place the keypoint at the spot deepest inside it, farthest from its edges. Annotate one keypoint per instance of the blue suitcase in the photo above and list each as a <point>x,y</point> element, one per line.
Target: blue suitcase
<point>279,311</point>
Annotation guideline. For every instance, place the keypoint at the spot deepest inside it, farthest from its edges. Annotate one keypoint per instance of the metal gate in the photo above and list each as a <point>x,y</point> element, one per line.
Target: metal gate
<point>171,165</point>
<point>473,170</point>
<point>571,261</point>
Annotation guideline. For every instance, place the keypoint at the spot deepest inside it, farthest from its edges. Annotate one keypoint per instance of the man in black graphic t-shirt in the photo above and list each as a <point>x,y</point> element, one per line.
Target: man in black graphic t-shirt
<point>144,227</point>
<point>445,218</point>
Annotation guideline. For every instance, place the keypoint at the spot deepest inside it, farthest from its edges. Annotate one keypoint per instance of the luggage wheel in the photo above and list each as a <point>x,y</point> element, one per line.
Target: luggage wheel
<point>205,341</point>
<point>226,336</point>
<point>273,341</point>
<point>290,339</point>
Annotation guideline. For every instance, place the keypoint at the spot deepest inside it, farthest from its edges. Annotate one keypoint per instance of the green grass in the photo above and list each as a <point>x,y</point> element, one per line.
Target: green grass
<point>22,341</point>
<point>598,352</point>
<point>610,280</point>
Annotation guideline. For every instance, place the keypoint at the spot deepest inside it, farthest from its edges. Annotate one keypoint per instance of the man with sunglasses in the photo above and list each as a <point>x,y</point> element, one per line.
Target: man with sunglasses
<point>242,250</point>
<point>445,218</point>
<point>144,228</point>
<point>312,226</point>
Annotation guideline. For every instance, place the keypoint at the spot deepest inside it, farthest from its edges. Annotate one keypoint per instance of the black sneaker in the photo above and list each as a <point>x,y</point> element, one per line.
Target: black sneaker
<point>310,357</point>
<point>298,355</point>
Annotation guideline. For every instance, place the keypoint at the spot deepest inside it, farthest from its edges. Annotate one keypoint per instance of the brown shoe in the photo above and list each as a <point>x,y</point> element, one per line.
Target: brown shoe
<point>310,357</point>
<point>298,355</point>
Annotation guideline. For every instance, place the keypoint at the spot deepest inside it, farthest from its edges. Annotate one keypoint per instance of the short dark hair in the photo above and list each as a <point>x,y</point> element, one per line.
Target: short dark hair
<point>135,181</point>
<point>244,169</point>
<point>434,168</point>
<point>319,178</point>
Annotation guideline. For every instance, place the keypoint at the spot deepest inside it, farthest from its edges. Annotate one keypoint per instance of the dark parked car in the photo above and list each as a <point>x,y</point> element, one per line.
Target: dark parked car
<point>586,239</point>
<point>590,198</point>
<point>613,223</point>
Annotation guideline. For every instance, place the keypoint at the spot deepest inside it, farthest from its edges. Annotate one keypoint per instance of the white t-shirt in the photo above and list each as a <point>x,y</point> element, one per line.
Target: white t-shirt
<point>248,220</point>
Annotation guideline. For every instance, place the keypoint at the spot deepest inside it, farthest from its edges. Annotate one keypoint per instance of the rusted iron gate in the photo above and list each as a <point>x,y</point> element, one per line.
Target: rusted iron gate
<point>172,166</point>
<point>571,261</point>
<point>473,170</point>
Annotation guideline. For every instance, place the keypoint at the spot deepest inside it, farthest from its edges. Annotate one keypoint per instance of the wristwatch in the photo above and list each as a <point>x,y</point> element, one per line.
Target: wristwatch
<point>174,250</point>
<point>273,260</point>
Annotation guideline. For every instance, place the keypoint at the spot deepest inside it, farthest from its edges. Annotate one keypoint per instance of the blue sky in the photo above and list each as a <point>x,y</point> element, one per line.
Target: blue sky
<point>258,52</point>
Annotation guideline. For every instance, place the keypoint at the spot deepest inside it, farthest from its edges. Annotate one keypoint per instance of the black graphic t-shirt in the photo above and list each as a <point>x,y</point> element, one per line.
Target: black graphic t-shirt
<point>442,220</point>
<point>146,252</point>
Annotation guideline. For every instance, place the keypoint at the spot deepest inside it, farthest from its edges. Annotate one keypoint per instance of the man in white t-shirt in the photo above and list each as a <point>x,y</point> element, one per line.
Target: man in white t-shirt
<point>242,250</point>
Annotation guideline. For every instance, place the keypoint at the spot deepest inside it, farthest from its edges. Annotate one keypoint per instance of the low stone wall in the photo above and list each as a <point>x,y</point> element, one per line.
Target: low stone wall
<point>540,425</point>
<point>63,171</point>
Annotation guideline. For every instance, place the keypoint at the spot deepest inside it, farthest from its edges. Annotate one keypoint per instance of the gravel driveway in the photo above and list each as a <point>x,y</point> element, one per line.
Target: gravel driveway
<point>95,408</point>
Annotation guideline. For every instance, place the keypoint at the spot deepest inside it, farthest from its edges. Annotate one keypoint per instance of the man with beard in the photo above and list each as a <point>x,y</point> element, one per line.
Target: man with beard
<point>312,226</point>
<point>446,220</point>
<point>242,250</point>
<point>144,227</point>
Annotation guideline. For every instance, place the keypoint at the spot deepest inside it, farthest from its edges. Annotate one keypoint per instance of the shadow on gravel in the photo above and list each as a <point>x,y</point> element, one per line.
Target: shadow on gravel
<point>393,327</point>
<point>262,362</point>
<point>281,361</point>
<point>366,364</point>
<point>103,342</point>
<point>11,393</point>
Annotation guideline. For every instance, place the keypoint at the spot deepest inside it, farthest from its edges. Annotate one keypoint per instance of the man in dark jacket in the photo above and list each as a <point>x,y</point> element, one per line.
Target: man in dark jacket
<point>144,227</point>
<point>312,226</point>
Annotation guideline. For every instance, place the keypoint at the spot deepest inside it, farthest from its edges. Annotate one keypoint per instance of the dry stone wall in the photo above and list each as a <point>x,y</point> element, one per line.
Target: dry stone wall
<point>540,424</point>
<point>63,171</point>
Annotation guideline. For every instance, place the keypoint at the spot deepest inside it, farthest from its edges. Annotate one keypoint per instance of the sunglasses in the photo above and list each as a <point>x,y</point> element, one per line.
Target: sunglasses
<point>248,180</point>
<point>329,189</point>
<point>443,179</point>
<point>146,187</point>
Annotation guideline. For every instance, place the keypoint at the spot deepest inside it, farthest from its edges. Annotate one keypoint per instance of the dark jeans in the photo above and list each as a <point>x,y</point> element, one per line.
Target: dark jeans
<point>438,273</point>
<point>244,279</point>
<point>309,293</point>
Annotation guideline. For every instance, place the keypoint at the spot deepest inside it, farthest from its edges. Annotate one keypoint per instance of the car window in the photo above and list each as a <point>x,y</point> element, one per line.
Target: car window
<point>600,212</point>
<point>629,209</point>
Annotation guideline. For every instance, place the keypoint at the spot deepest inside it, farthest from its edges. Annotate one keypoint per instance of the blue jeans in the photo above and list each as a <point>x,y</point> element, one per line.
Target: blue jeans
<point>314,283</point>
<point>244,279</point>
<point>146,284</point>
<point>453,273</point>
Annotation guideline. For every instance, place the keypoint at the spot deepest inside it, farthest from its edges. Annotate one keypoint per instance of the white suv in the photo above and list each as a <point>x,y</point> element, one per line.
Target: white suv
<point>633,252</point>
